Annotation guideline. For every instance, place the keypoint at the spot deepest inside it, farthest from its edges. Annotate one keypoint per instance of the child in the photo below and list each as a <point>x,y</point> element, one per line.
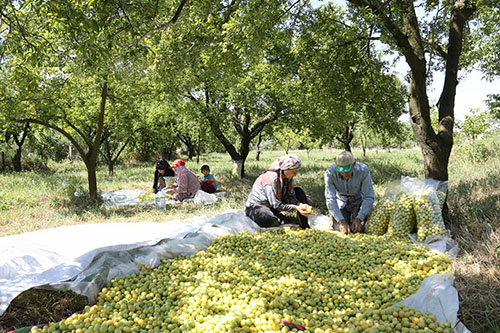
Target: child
<point>208,182</point>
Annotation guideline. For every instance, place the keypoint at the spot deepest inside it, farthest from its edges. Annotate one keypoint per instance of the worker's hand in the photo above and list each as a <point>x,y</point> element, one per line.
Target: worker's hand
<point>356,225</point>
<point>344,227</point>
<point>154,191</point>
<point>304,209</point>
<point>169,190</point>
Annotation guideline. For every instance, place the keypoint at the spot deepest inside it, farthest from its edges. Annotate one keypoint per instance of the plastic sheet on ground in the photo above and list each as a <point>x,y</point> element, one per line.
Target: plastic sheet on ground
<point>83,258</point>
<point>437,295</point>
<point>131,198</point>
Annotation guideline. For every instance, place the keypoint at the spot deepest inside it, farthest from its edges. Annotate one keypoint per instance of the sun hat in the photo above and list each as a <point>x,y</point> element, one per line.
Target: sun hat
<point>178,162</point>
<point>344,161</point>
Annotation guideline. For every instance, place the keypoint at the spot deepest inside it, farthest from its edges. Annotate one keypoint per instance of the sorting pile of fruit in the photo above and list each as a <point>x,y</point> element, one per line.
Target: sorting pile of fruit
<point>323,281</point>
<point>146,196</point>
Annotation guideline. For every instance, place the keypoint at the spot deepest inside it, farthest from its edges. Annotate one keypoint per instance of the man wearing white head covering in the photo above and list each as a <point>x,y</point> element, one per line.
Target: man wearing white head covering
<point>349,193</point>
<point>273,192</point>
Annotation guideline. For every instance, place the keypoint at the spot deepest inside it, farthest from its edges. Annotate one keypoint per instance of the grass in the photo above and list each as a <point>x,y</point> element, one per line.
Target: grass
<point>32,201</point>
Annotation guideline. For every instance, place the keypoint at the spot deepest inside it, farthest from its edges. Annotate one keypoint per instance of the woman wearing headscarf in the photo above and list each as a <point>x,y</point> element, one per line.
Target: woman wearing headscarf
<point>163,169</point>
<point>273,192</point>
<point>186,184</point>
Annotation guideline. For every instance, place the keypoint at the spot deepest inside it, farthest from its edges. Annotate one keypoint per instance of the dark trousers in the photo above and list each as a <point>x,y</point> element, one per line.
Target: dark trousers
<point>350,211</point>
<point>266,216</point>
<point>207,187</point>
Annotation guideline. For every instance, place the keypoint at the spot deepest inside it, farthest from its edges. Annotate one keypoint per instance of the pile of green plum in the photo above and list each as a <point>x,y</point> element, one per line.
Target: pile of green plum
<point>323,281</point>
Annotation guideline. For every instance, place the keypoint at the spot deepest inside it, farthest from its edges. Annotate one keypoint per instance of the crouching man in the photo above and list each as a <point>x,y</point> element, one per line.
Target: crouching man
<point>349,193</point>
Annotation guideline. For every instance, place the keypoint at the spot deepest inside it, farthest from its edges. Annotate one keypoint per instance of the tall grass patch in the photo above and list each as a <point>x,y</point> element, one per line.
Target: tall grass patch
<point>474,201</point>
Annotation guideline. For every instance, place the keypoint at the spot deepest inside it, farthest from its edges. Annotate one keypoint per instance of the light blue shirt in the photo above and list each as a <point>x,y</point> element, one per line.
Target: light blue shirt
<point>340,191</point>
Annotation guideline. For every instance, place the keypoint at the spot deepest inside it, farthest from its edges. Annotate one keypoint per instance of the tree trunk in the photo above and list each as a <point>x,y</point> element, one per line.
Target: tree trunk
<point>198,153</point>
<point>16,160</point>
<point>3,161</point>
<point>434,152</point>
<point>111,167</point>
<point>20,143</point>
<point>347,137</point>
<point>186,139</point>
<point>92,180</point>
<point>168,153</point>
<point>257,146</point>
<point>363,144</point>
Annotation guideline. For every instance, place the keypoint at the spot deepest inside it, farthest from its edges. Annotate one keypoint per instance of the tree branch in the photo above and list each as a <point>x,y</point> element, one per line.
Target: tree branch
<point>75,143</point>
<point>169,23</point>
<point>436,47</point>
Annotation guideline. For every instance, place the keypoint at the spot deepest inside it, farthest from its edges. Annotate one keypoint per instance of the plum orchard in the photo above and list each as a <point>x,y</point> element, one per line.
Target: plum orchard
<point>325,281</point>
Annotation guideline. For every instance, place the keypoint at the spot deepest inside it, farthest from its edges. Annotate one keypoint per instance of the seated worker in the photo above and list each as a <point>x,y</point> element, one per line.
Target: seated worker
<point>163,169</point>
<point>349,193</point>
<point>273,192</point>
<point>208,182</point>
<point>186,184</point>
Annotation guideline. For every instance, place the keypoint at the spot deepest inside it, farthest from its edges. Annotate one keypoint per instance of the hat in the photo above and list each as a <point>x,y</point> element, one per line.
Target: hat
<point>178,162</point>
<point>344,161</point>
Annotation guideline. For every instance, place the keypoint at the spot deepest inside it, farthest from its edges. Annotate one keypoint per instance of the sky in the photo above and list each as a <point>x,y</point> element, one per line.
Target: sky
<point>472,89</point>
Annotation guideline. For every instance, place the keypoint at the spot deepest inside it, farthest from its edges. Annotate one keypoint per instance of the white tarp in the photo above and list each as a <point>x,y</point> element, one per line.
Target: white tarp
<point>91,254</point>
<point>83,258</point>
<point>131,198</point>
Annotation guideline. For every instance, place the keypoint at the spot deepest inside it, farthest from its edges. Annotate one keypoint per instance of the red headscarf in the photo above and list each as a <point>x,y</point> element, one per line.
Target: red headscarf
<point>178,162</point>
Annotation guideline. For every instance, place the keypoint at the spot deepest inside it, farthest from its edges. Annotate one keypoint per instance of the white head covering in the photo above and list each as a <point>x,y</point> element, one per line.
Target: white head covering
<point>286,162</point>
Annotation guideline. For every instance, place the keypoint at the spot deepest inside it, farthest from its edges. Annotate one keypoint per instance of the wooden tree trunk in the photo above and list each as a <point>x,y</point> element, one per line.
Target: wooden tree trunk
<point>16,160</point>
<point>347,137</point>
<point>257,146</point>
<point>92,180</point>
<point>94,150</point>
<point>111,168</point>
<point>20,143</point>
<point>435,150</point>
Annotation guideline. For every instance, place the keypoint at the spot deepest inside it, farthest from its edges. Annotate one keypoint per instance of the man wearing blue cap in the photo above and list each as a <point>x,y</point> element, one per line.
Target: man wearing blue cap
<point>349,193</point>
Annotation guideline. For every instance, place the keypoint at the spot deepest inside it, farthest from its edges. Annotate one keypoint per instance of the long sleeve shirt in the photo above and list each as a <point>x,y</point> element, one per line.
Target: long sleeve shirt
<point>339,190</point>
<point>187,184</point>
<point>168,173</point>
<point>264,193</point>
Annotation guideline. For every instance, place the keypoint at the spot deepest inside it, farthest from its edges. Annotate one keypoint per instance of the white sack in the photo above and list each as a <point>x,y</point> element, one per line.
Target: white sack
<point>204,198</point>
